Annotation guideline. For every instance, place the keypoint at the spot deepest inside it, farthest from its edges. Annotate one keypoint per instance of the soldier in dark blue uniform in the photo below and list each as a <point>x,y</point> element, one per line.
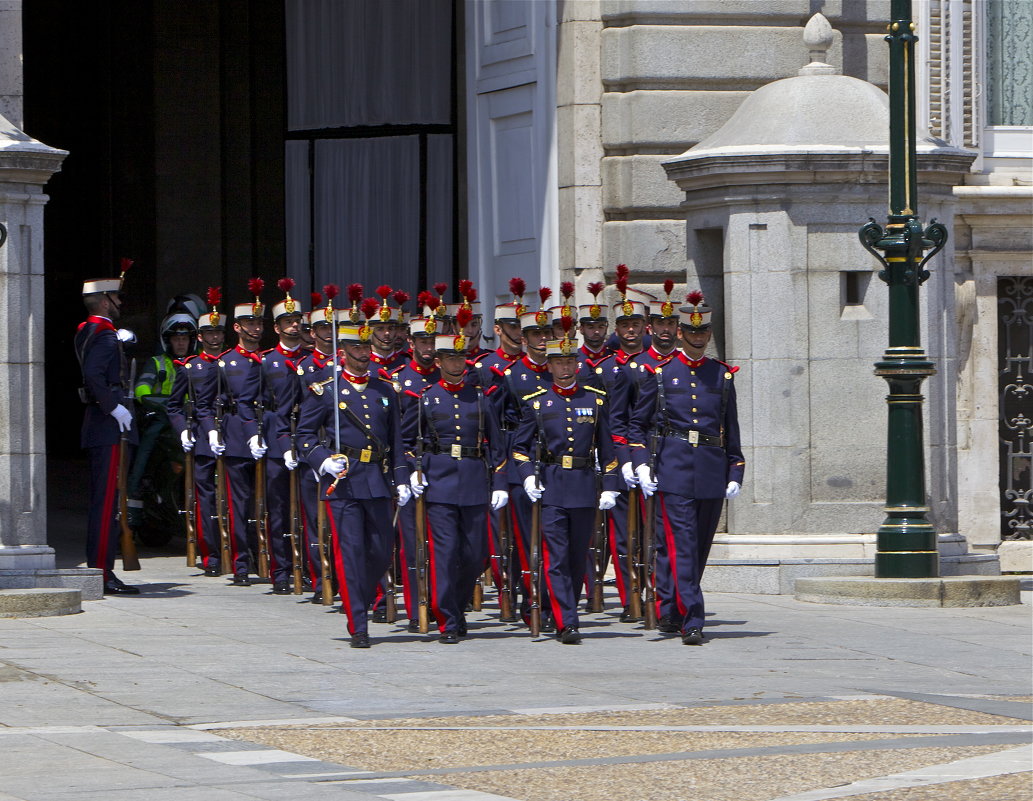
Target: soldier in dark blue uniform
<point>385,354</point>
<point>107,395</point>
<point>409,380</point>
<point>458,454</point>
<point>686,427</point>
<point>231,394</point>
<point>278,393</point>
<point>192,377</point>
<point>566,426</point>
<point>359,416</point>
<point>663,331</point>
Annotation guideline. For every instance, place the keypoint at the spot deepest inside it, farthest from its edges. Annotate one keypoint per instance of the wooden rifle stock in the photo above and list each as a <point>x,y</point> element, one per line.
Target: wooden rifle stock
<point>326,586</point>
<point>295,530</point>
<point>634,582</point>
<point>505,545</point>
<point>390,607</point>
<point>536,559</point>
<point>599,560</point>
<point>225,549</point>
<point>649,555</point>
<point>261,519</point>
<point>422,588</point>
<point>130,561</point>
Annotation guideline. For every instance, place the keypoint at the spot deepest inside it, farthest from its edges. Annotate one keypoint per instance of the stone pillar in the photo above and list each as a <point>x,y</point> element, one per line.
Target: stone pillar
<point>25,559</point>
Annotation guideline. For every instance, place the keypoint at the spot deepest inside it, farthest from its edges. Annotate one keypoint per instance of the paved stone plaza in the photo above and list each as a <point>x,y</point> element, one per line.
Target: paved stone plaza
<point>201,690</point>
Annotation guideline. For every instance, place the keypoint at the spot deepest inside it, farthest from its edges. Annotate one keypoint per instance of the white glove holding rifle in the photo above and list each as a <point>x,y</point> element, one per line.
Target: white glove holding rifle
<point>187,440</point>
<point>123,417</point>
<point>646,480</point>
<point>534,491</point>
<point>218,448</point>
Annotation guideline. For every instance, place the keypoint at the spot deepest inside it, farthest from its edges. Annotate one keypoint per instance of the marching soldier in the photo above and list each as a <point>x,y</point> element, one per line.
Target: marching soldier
<point>225,411</point>
<point>473,329</point>
<point>106,393</point>
<point>459,457</point>
<point>276,397</point>
<point>363,468</point>
<point>684,437</point>
<point>565,427</point>
<point>401,297</point>
<point>385,354</point>
<point>663,330</point>
<point>192,376</point>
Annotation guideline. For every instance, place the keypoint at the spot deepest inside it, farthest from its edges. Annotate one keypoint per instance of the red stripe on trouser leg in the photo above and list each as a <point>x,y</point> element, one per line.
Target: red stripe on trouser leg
<point>232,518</point>
<point>435,607</point>
<point>107,519</point>
<point>557,614</point>
<point>342,579</point>
<point>494,551</point>
<point>525,565</point>
<point>408,591</point>
<point>618,574</point>
<point>307,552</point>
<point>672,556</point>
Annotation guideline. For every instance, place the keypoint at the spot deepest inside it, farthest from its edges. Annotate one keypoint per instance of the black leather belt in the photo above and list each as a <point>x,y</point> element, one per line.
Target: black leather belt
<point>569,462</point>
<point>365,455</point>
<point>692,436</point>
<point>456,451</point>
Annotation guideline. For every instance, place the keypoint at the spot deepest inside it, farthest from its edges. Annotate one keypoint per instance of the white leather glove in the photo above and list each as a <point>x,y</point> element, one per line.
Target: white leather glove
<point>733,489</point>
<point>404,494</point>
<point>418,482</point>
<point>257,447</point>
<point>333,467</point>
<point>533,492</point>
<point>187,441</point>
<point>607,500</point>
<point>123,417</point>
<point>629,475</point>
<point>126,336</point>
<point>645,480</point>
<point>218,448</point>
<point>290,460</point>
<point>499,498</point>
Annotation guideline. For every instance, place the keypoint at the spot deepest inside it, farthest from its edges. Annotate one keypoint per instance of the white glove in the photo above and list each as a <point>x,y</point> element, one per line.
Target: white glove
<point>218,448</point>
<point>404,494</point>
<point>333,467</point>
<point>188,441</point>
<point>533,492</point>
<point>645,480</point>
<point>629,476</point>
<point>290,460</point>
<point>418,482</point>
<point>126,336</point>
<point>733,489</point>
<point>499,498</point>
<point>258,449</point>
<point>607,500</point>
<point>123,417</point>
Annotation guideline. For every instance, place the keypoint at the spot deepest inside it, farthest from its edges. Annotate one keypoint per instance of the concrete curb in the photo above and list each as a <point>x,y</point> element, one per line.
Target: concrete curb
<point>40,602</point>
<point>949,591</point>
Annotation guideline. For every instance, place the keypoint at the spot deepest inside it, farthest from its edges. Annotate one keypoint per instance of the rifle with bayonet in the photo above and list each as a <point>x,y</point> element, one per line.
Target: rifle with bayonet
<point>221,510</point>
<point>536,529</point>
<point>599,553</point>
<point>189,497</point>
<point>632,558</point>
<point>261,514</point>
<point>422,589</point>
<point>130,560</point>
<point>293,511</point>
<point>649,526</point>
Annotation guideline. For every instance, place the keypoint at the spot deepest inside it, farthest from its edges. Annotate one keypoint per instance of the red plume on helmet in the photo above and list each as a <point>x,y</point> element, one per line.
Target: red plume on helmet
<point>432,302</point>
<point>124,263</point>
<point>595,288</point>
<point>544,293</point>
<point>423,299</point>
<point>567,290</point>
<point>463,318</point>
<point>623,271</point>
<point>256,286</point>
<point>316,299</point>
<point>286,285</point>
<point>622,285</point>
<point>331,291</point>
<point>214,296</point>
<point>470,295</point>
<point>518,287</point>
<point>465,286</point>
<point>441,288</point>
<point>668,286</point>
<point>401,297</point>
<point>567,323</point>
<point>355,293</point>
<point>695,297</point>
<point>369,307</point>
<point>384,290</point>
<point>385,311</point>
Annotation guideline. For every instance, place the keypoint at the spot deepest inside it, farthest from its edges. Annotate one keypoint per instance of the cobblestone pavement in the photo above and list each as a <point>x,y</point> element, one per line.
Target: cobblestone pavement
<point>201,690</point>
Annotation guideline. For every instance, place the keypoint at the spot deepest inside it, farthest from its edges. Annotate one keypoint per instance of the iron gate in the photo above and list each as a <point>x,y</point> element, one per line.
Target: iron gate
<point>1015,388</point>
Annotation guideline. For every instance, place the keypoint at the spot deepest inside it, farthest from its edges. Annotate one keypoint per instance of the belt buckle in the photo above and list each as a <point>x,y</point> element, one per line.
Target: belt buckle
<point>567,462</point>
<point>366,455</point>
<point>457,451</point>
<point>693,437</point>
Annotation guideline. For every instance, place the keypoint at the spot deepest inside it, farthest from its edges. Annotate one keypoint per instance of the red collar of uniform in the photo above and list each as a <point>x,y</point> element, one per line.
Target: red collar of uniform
<point>358,380</point>
<point>660,356</point>
<point>208,358</point>
<point>416,367</point>
<point>376,358</point>
<point>565,392</point>
<point>622,357</point>
<point>536,368</point>
<point>509,357</point>
<point>290,354</point>
<point>251,354</point>
<point>450,387</point>
<point>593,355</point>
<point>319,359</point>
<point>102,323</point>
<point>690,362</point>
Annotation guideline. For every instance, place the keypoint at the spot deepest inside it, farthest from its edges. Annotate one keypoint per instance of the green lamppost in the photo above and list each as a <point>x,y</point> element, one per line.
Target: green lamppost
<point>906,543</point>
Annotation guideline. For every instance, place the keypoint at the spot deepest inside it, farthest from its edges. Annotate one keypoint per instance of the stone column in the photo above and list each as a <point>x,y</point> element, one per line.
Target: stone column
<point>25,559</point>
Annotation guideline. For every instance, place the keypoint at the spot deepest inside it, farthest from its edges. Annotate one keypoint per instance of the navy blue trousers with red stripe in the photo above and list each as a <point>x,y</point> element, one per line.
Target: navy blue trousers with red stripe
<point>685,530</point>
<point>457,538</point>
<point>102,522</point>
<point>204,522</point>
<point>278,505</point>
<point>362,531</point>
<point>520,509</point>
<point>240,486</point>
<point>309,490</point>
<point>566,535</point>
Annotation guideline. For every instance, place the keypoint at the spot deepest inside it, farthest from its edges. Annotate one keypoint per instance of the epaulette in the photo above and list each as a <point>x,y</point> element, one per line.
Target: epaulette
<point>732,370</point>
<point>537,392</point>
<point>649,368</point>
<point>490,389</point>
<point>592,389</point>
<point>495,369</point>
<point>398,369</point>
<point>414,394</point>
<point>384,374</point>
<point>182,362</point>
<point>267,350</point>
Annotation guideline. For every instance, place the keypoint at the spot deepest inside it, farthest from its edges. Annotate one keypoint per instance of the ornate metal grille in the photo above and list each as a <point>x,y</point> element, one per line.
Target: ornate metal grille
<point>1015,386</point>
